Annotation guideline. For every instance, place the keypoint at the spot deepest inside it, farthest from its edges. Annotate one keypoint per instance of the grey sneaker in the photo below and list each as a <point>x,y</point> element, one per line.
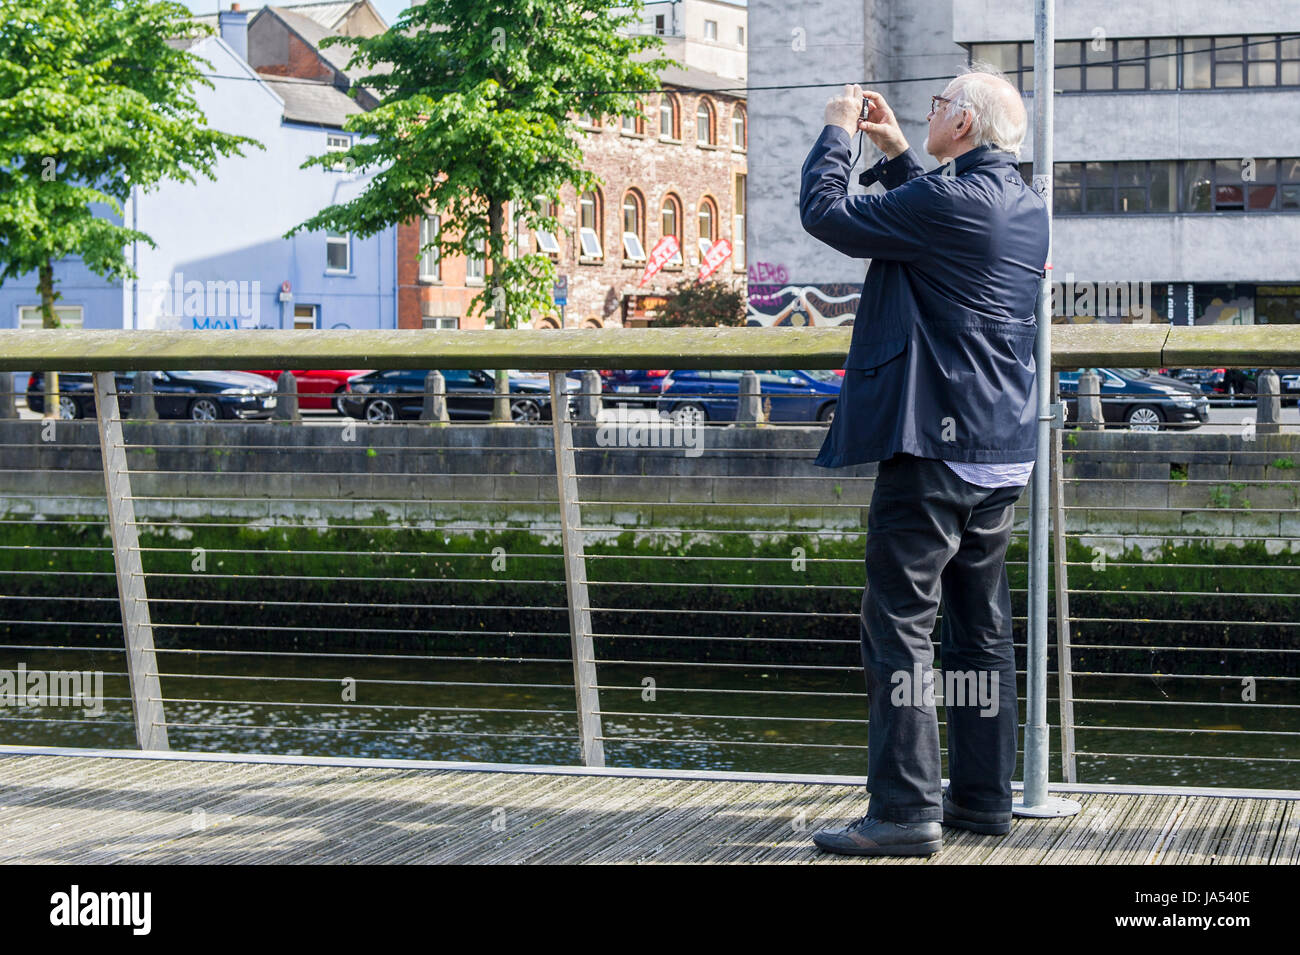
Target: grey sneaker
<point>869,836</point>
<point>989,823</point>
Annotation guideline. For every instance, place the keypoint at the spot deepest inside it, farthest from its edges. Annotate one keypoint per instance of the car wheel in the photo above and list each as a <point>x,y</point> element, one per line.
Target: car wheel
<point>205,409</point>
<point>338,401</point>
<point>689,415</point>
<point>69,409</point>
<point>380,409</point>
<point>827,414</point>
<point>1144,418</point>
<point>525,411</point>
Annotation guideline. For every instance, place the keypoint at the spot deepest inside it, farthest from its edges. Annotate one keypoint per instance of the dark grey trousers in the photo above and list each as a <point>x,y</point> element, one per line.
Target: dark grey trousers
<point>932,536</point>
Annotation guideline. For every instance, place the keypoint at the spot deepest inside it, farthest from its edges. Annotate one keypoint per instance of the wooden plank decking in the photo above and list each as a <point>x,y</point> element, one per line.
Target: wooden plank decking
<point>90,809</point>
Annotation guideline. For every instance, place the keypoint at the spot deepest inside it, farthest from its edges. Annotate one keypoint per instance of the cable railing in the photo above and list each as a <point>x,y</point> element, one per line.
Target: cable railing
<point>610,581</point>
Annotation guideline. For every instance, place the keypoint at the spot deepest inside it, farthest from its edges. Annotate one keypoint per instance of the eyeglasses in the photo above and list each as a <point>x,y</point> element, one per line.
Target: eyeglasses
<point>934,104</point>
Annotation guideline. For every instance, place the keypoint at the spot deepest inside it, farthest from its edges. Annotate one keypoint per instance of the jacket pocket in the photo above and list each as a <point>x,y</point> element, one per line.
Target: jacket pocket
<point>868,356</point>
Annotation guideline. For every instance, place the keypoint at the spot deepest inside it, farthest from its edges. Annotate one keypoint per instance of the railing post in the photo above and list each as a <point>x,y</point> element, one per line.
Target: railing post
<point>1268,403</point>
<point>8,406</point>
<point>575,579</point>
<point>1064,668</point>
<point>750,408</point>
<point>141,662</point>
<point>142,404</point>
<point>1089,404</point>
<point>286,398</point>
<point>589,398</point>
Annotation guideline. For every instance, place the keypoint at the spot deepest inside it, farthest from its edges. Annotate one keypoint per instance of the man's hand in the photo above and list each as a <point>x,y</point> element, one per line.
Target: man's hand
<point>880,125</point>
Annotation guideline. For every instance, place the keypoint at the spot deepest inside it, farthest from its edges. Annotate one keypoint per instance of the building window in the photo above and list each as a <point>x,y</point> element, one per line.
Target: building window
<point>708,222</point>
<point>337,143</point>
<point>475,264</point>
<point>668,116</point>
<point>546,241</point>
<point>740,36</point>
<point>738,225</point>
<point>69,316</point>
<point>338,252</point>
<point>634,124</point>
<point>440,321</point>
<point>586,119</point>
<point>591,225</point>
<point>633,226</point>
<point>1165,186</point>
<point>1157,63</point>
<point>305,318</point>
<point>671,224</point>
<point>430,261</point>
<point>739,129</point>
<point>704,123</point>
<point>710,29</point>
<point>661,24</point>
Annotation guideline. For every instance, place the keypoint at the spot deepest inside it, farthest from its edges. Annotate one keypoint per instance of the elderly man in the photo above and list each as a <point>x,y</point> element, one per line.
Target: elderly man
<point>939,388</point>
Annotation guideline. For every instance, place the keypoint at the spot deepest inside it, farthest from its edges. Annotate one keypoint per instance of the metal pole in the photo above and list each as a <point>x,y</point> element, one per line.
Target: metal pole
<point>141,663</point>
<point>1035,801</point>
<point>575,578</point>
<point>1064,668</point>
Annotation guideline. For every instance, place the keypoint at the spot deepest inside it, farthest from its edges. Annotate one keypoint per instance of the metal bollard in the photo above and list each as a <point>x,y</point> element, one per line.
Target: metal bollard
<point>1268,403</point>
<point>1089,404</point>
<point>286,398</point>
<point>142,401</point>
<point>435,399</point>
<point>589,398</point>
<point>749,412</point>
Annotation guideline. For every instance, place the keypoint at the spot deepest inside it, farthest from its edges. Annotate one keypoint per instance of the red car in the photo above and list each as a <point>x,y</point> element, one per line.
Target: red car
<point>318,389</point>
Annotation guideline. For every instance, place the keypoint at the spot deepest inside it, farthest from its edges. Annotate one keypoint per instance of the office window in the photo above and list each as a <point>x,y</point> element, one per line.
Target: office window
<point>1099,74</point>
<point>739,129</point>
<point>475,265</point>
<point>1289,184</point>
<point>1069,73</point>
<point>710,29</point>
<point>1229,61</point>
<point>338,252</point>
<point>668,116</point>
<point>591,225</point>
<point>430,262</point>
<point>1164,186</point>
<point>738,225</point>
<point>1162,67</point>
<point>1289,62</point>
<point>671,224</point>
<point>704,122</point>
<point>633,226</point>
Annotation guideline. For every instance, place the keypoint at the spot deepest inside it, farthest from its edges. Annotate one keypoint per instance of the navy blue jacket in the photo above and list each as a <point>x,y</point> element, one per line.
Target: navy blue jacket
<point>941,363</point>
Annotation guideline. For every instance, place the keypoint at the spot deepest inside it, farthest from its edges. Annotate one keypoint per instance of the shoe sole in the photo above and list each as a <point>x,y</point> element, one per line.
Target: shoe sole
<point>919,849</point>
<point>984,828</point>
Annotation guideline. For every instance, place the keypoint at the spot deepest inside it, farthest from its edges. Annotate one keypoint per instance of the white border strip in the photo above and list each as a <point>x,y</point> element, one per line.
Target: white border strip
<point>361,762</point>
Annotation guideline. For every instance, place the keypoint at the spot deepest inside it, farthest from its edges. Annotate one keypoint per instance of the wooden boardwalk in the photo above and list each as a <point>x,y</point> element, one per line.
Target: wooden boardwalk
<point>97,809</point>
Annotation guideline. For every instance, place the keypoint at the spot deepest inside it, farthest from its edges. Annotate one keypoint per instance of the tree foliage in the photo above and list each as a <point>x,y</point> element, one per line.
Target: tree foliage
<point>477,97</point>
<point>711,303</point>
<point>94,100</point>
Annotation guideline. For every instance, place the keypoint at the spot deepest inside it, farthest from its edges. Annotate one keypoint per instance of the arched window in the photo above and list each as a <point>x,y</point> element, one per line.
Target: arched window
<point>591,225</point>
<point>704,122</point>
<point>634,123</point>
<point>671,222</point>
<point>668,116</point>
<point>708,219</point>
<point>633,225</point>
<point>739,129</point>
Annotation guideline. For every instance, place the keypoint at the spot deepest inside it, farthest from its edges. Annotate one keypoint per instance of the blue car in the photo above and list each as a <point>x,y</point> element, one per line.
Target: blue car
<point>697,397</point>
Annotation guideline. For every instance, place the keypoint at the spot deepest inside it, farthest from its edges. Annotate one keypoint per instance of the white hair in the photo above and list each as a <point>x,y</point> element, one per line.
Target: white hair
<point>998,116</point>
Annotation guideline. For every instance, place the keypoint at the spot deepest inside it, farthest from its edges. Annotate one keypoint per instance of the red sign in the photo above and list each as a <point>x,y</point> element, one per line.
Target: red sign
<point>663,252</point>
<point>718,253</point>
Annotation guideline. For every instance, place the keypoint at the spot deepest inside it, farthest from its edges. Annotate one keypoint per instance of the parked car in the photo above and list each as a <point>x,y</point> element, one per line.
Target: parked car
<point>633,386</point>
<point>1139,399</point>
<point>1224,382</point>
<point>399,394</point>
<point>197,395</point>
<point>694,397</point>
<point>322,388</point>
<point>1289,385</point>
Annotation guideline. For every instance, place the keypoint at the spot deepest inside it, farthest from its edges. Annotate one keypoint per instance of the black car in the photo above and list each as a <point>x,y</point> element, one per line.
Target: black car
<point>1224,382</point>
<point>1140,399</point>
<point>197,395</point>
<point>399,394</point>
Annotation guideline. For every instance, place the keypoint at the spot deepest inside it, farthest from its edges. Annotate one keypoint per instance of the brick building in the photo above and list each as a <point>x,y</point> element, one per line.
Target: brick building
<point>678,168</point>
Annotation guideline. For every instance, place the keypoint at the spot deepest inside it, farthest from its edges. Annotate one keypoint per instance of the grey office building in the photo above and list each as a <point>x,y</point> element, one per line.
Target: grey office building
<point>1177,166</point>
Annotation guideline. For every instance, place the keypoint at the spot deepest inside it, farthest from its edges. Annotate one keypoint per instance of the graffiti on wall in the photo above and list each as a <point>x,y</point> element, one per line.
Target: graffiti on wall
<point>774,300</point>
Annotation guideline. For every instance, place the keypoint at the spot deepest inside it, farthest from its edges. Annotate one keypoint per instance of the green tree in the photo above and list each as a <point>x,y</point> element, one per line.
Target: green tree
<point>702,303</point>
<point>94,101</point>
<point>476,113</point>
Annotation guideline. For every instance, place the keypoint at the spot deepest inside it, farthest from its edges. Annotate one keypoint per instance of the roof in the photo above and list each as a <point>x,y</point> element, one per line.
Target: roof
<point>328,14</point>
<point>312,33</point>
<point>697,79</point>
<point>311,102</point>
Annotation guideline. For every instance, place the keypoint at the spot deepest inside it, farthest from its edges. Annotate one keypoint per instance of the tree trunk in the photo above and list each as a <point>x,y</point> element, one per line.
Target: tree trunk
<point>45,285</point>
<point>500,315</point>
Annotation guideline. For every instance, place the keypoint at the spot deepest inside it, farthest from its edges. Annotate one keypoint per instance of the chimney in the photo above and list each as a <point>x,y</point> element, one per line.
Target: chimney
<point>233,24</point>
